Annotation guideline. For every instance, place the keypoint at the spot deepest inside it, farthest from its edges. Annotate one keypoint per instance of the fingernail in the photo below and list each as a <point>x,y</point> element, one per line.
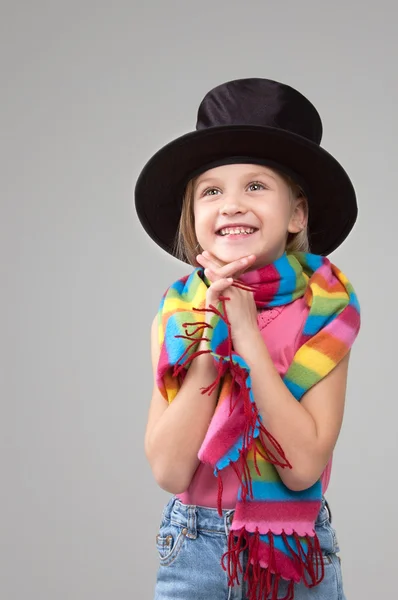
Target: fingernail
<point>230,279</point>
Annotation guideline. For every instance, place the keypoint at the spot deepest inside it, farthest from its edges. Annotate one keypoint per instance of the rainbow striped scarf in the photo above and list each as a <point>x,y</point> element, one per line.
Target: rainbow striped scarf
<point>272,523</point>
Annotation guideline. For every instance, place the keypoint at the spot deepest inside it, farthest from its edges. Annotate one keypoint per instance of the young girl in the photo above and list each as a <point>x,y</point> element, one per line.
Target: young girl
<point>250,351</point>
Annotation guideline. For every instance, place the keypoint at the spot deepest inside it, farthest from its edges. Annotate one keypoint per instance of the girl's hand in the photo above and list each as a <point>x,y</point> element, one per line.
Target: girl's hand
<point>241,308</point>
<point>219,270</point>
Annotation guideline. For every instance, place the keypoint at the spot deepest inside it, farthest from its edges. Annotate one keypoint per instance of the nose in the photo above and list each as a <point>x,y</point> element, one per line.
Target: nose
<point>233,207</point>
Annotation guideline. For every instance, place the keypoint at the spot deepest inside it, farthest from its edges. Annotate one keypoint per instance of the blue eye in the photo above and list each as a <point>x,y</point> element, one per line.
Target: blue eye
<point>207,192</point>
<point>257,185</point>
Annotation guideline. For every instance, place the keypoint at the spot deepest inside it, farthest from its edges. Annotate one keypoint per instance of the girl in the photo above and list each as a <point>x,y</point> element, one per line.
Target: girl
<point>250,351</point>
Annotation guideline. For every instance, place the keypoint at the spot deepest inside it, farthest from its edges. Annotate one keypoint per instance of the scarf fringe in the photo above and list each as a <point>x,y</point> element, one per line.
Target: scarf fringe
<point>263,581</point>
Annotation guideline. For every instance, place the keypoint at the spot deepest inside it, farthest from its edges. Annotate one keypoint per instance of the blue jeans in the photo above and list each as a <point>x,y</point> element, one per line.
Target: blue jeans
<point>191,541</point>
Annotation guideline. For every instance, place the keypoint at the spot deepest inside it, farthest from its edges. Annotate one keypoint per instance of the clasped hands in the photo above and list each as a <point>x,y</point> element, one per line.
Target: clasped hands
<point>241,308</point>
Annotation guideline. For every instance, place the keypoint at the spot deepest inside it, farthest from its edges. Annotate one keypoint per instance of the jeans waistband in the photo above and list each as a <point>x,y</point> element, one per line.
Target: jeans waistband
<point>194,518</point>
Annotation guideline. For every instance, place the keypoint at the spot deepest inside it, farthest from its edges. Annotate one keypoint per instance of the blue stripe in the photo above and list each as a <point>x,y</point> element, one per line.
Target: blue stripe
<point>354,301</point>
<point>294,388</point>
<point>238,360</point>
<point>187,289</point>
<point>219,334</point>
<point>315,323</point>
<point>178,286</point>
<point>175,346</point>
<point>313,261</point>
<point>288,281</point>
<point>280,544</point>
<point>277,491</point>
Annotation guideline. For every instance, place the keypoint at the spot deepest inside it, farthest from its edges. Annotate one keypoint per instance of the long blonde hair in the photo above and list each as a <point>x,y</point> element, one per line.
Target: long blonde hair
<point>187,247</point>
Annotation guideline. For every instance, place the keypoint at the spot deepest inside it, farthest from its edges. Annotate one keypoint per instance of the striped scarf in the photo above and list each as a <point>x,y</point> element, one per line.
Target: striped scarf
<point>274,524</point>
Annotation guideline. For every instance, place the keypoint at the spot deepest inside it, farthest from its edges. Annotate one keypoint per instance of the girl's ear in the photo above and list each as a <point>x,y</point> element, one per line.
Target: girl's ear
<point>299,216</point>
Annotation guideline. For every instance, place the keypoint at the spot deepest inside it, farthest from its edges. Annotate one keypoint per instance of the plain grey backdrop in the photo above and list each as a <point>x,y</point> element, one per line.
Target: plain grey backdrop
<point>89,91</point>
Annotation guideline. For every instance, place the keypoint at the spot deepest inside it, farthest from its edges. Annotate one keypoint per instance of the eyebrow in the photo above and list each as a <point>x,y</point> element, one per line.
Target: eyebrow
<point>250,175</point>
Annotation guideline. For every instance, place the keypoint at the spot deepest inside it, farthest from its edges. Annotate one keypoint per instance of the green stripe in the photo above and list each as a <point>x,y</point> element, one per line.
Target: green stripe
<point>303,376</point>
<point>327,306</point>
<point>267,471</point>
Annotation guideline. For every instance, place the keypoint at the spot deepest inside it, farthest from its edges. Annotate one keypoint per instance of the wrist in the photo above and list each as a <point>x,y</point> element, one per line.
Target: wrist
<point>204,361</point>
<point>248,343</point>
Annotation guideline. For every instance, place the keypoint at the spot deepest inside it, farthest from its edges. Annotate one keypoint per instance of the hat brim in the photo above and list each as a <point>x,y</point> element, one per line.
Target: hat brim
<point>160,187</point>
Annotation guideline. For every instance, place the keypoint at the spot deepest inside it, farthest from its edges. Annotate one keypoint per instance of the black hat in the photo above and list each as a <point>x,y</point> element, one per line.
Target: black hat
<point>271,123</point>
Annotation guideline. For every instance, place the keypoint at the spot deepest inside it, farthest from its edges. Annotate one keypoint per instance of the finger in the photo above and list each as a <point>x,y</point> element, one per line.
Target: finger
<point>217,288</point>
<point>213,277</point>
<point>208,255</point>
<point>205,261</point>
<point>232,269</point>
<point>237,267</point>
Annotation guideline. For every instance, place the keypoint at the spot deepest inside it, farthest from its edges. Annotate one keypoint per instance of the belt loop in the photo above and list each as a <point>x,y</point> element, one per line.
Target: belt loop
<point>192,523</point>
<point>329,511</point>
<point>168,508</point>
<point>228,517</point>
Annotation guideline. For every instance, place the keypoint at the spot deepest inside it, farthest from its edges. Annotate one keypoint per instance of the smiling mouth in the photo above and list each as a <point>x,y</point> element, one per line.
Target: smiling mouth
<point>243,231</point>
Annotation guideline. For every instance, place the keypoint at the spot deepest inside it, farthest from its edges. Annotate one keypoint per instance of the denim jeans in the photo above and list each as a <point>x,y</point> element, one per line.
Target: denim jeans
<point>192,539</point>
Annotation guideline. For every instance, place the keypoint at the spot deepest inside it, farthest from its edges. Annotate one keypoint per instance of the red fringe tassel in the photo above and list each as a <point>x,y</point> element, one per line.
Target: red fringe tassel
<point>265,581</point>
<point>261,581</point>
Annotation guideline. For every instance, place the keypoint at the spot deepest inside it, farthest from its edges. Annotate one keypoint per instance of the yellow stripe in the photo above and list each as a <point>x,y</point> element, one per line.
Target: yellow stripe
<point>343,278</point>
<point>172,305</point>
<point>259,458</point>
<point>314,360</point>
<point>175,304</point>
<point>318,291</point>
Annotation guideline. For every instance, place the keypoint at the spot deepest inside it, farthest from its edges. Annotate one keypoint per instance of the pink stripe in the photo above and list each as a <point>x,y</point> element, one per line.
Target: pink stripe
<point>342,331</point>
<point>302,528</point>
<point>221,415</point>
<point>283,564</point>
<point>269,277</point>
<point>217,443</point>
<point>350,315</point>
<point>286,512</point>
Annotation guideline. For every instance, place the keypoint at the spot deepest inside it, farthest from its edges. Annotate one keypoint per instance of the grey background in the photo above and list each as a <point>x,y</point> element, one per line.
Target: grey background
<point>89,90</point>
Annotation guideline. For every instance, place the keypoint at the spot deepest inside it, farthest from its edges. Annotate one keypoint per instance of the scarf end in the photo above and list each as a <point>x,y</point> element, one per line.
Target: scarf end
<point>267,567</point>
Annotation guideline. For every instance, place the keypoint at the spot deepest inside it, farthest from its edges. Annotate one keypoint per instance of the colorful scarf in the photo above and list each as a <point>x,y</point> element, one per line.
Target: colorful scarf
<point>274,524</point>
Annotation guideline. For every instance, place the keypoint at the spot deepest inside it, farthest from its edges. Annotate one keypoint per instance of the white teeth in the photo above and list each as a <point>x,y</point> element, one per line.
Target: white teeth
<point>236,230</point>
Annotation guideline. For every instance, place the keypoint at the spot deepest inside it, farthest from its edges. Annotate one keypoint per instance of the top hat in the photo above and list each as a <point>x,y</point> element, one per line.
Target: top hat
<point>267,122</point>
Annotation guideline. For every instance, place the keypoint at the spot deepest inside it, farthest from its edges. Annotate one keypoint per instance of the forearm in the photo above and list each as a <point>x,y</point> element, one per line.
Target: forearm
<point>283,416</point>
<point>176,439</point>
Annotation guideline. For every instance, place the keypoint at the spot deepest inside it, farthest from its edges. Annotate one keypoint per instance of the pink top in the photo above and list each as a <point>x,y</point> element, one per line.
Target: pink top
<point>280,328</point>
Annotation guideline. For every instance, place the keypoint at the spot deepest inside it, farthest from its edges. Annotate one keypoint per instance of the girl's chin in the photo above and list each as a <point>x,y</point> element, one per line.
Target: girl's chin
<point>231,254</point>
<point>228,257</point>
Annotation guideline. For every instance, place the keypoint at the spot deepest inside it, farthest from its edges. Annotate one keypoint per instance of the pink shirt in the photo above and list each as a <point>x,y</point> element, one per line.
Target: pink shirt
<point>280,328</point>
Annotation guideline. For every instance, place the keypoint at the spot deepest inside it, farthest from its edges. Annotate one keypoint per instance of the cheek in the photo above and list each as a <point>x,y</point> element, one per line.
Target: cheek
<point>278,213</point>
<point>203,222</point>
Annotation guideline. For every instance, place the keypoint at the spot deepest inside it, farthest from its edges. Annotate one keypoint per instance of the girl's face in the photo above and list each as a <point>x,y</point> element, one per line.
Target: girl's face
<point>244,209</point>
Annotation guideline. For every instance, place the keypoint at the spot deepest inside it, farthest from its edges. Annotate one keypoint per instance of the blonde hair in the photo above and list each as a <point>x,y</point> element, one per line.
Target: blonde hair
<point>187,247</point>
